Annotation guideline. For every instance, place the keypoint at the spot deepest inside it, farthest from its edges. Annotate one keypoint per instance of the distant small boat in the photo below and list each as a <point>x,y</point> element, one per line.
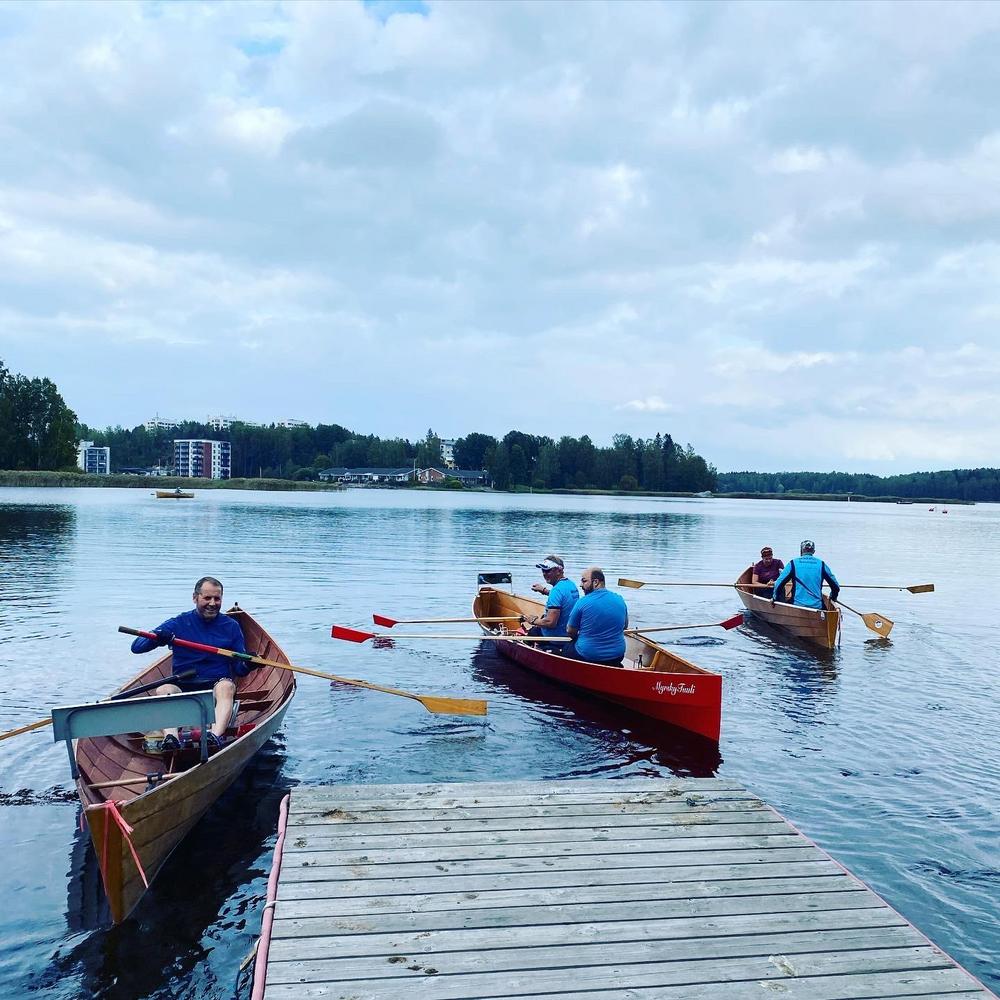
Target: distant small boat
<point>173,495</point>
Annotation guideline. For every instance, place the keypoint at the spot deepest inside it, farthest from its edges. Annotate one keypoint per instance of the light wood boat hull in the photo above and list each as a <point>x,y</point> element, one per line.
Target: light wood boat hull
<point>821,628</point>
<point>173,495</point>
<point>162,816</point>
<point>654,681</point>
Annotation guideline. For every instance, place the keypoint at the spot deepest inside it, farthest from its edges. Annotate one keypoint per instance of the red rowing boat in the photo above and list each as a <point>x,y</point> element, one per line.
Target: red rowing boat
<point>654,681</point>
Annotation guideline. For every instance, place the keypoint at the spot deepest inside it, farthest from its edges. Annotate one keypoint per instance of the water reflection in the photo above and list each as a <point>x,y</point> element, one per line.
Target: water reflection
<point>629,744</point>
<point>211,886</point>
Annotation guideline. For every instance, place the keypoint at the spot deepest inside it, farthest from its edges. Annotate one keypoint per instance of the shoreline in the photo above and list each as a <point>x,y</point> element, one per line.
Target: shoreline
<point>81,480</point>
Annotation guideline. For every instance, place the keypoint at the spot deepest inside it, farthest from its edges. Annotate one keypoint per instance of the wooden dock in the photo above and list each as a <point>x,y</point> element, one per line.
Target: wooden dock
<point>653,889</point>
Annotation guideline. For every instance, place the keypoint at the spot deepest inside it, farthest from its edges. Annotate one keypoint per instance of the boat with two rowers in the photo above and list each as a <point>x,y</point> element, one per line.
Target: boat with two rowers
<point>653,681</point>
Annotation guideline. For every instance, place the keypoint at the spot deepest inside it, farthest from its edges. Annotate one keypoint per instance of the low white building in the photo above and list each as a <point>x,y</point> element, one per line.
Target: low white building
<point>292,423</point>
<point>94,460</point>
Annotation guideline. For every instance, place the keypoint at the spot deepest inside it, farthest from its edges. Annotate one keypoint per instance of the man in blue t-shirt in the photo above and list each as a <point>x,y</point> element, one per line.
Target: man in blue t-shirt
<point>205,624</point>
<point>597,622</point>
<point>562,595</point>
<point>807,574</point>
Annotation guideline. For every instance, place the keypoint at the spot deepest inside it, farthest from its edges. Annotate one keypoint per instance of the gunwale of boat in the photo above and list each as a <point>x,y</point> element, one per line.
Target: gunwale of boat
<point>663,660</point>
<point>814,625</point>
<point>162,815</point>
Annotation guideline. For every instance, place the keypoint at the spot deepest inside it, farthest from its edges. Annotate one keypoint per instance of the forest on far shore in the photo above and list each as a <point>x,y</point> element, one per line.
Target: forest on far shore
<point>952,484</point>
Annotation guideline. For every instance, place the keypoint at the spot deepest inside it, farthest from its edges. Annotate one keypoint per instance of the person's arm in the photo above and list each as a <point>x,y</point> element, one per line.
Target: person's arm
<point>754,579</point>
<point>780,582</point>
<point>832,581</point>
<point>540,588</point>
<point>573,623</point>
<point>547,619</point>
<point>164,632</point>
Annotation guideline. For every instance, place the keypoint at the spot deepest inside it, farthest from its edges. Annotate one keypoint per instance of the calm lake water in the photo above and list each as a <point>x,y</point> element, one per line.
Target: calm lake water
<point>884,752</point>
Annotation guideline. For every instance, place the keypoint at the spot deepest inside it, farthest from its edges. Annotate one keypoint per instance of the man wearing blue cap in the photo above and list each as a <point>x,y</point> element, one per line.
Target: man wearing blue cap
<point>562,595</point>
<point>807,575</point>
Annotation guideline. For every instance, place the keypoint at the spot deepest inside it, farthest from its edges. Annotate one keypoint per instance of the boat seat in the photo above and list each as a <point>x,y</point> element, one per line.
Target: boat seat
<point>113,718</point>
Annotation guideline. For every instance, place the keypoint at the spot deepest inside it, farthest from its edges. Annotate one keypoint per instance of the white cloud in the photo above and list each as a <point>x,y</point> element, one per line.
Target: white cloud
<point>718,217</point>
<point>651,404</point>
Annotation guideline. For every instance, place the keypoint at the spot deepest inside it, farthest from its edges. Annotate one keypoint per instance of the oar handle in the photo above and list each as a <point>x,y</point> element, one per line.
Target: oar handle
<point>142,688</point>
<point>176,641</point>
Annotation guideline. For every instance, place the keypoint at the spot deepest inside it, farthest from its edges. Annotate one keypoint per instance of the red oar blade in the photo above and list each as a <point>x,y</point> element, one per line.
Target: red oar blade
<point>385,622</point>
<point>735,622</point>
<point>350,634</point>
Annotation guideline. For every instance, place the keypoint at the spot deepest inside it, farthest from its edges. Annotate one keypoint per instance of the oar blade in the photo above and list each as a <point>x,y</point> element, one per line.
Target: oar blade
<point>735,622</point>
<point>386,622</point>
<point>922,588</point>
<point>634,584</point>
<point>453,706</point>
<point>878,623</point>
<point>350,634</point>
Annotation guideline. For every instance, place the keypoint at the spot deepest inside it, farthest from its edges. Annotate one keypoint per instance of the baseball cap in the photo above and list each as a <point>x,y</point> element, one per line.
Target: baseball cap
<point>807,546</point>
<point>547,564</point>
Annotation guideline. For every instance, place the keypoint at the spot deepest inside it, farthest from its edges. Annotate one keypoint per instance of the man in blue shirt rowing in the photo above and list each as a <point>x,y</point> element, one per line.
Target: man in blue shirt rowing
<point>807,575</point>
<point>597,622</point>
<point>205,624</point>
<point>562,595</point>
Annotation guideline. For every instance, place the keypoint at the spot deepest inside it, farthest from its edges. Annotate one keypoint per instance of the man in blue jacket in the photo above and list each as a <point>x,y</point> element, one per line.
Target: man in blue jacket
<point>205,624</point>
<point>597,622</point>
<point>806,575</point>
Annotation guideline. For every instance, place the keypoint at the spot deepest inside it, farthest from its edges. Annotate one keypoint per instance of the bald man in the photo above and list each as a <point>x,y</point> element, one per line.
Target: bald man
<point>597,622</point>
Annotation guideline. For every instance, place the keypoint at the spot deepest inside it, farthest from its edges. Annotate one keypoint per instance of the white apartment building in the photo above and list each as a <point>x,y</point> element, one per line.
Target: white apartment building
<point>202,459</point>
<point>292,423</point>
<point>448,452</point>
<point>93,460</point>
<point>161,424</point>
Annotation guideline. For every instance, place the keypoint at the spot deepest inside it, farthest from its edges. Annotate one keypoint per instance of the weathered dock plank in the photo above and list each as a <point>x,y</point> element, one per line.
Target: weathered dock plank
<point>584,890</point>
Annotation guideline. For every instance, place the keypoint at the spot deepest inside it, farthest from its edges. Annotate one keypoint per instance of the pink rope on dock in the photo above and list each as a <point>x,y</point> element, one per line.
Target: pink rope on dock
<point>264,943</point>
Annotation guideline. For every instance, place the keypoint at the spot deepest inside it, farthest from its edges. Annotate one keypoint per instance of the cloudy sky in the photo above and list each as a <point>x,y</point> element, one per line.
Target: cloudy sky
<point>772,230</point>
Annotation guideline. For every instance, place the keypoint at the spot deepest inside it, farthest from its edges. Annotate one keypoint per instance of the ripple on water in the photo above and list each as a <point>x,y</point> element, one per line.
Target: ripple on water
<point>884,752</point>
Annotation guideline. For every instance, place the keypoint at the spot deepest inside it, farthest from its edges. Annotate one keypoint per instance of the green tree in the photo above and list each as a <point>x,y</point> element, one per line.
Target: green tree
<point>429,451</point>
<point>37,428</point>
<point>470,451</point>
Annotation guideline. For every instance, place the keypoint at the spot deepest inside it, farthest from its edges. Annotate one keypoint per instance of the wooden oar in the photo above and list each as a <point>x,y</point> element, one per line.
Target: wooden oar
<point>115,697</point>
<point>440,706</point>
<point>729,623</point>
<point>355,635</point>
<point>920,588</point>
<point>877,623</point>
<point>25,729</point>
<point>636,584</point>
<point>389,622</point>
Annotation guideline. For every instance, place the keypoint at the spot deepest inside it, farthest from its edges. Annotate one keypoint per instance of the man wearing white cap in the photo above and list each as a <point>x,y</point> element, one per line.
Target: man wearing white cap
<point>562,595</point>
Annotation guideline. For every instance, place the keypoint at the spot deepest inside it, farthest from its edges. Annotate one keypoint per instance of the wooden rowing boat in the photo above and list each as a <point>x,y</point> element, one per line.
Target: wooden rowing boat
<point>116,769</point>
<point>174,495</point>
<point>653,682</point>
<point>820,627</point>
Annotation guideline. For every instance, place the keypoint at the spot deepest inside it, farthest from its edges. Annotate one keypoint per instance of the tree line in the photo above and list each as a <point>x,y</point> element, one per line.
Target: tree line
<point>952,484</point>
<point>515,460</point>
<point>37,428</point>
